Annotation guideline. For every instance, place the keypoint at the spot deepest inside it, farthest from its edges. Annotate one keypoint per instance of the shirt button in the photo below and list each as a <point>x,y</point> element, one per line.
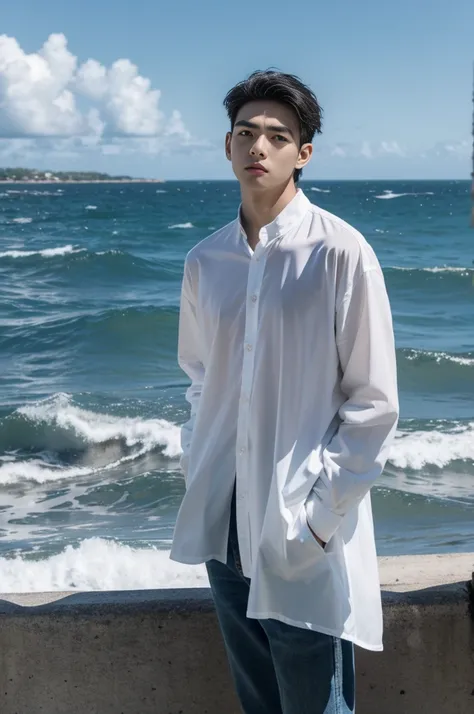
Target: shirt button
<point>254,298</point>
<point>242,449</point>
<point>249,348</point>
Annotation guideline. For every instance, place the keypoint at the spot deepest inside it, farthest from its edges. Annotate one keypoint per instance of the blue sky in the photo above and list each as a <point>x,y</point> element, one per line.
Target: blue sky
<point>394,80</point>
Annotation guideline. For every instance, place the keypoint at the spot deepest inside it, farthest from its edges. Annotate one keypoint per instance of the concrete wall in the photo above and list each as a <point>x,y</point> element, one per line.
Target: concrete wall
<point>160,652</point>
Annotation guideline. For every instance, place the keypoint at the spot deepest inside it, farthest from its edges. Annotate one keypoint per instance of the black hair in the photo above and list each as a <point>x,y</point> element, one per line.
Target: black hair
<point>280,87</point>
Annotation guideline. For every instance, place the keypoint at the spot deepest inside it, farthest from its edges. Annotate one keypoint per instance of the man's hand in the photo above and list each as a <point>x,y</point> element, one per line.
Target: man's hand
<point>321,542</point>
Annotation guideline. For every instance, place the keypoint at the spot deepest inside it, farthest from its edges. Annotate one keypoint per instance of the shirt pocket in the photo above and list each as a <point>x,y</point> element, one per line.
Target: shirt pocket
<point>294,554</point>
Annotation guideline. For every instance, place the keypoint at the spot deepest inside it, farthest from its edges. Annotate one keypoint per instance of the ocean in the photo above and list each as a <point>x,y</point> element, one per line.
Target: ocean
<point>92,397</point>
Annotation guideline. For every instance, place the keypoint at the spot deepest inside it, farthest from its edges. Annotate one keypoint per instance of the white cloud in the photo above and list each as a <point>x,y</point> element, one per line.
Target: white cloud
<point>176,126</point>
<point>47,94</point>
<point>129,103</point>
<point>391,147</point>
<point>368,149</point>
<point>91,79</point>
<point>24,151</point>
<point>459,148</point>
<point>34,95</point>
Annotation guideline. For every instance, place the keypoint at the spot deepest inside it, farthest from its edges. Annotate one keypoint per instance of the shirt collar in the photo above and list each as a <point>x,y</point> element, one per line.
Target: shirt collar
<point>290,216</point>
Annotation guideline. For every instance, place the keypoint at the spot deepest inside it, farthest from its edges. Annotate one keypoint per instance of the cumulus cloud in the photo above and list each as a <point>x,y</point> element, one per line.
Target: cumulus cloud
<point>34,96</point>
<point>49,94</point>
<point>457,148</point>
<point>391,147</point>
<point>368,149</point>
<point>128,103</point>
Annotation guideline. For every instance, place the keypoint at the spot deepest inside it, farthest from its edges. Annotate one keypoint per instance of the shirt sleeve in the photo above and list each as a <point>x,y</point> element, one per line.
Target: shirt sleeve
<point>190,361</point>
<point>357,453</point>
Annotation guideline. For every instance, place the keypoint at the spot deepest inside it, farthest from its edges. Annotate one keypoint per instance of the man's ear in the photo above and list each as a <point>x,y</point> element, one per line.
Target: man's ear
<point>306,152</point>
<point>228,138</point>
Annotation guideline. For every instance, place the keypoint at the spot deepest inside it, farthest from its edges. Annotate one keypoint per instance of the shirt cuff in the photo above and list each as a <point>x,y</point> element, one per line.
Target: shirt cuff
<point>322,521</point>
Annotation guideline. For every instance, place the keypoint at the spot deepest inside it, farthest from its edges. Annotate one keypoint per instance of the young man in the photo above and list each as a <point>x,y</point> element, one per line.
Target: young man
<point>286,335</point>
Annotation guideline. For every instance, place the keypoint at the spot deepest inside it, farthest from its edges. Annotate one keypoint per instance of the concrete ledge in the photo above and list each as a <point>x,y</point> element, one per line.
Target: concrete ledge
<point>160,651</point>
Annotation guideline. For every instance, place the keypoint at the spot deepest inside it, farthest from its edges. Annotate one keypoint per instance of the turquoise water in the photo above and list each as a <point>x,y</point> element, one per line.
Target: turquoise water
<point>92,397</point>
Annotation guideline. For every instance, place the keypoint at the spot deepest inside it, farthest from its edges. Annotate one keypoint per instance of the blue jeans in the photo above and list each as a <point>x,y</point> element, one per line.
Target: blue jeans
<point>277,668</point>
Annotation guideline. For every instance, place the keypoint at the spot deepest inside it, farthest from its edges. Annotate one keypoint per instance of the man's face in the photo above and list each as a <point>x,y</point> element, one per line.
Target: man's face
<point>266,132</point>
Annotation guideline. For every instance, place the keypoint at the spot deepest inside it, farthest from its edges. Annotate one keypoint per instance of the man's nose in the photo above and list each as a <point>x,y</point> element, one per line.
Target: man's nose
<point>258,149</point>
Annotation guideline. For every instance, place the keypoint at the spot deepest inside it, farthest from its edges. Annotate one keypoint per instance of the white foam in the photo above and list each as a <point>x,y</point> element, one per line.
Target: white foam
<point>91,208</point>
<point>45,193</point>
<point>34,193</point>
<point>22,220</point>
<point>440,357</point>
<point>181,225</point>
<point>160,190</point>
<point>448,269</point>
<point>389,194</point>
<point>99,564</point>
<point>435,269</point>
<point>321,190</point>
<point>95,428</point>
<point>37,471</point>
<point>69,425</point>
<point>417,449</point>
<point>46,253</point>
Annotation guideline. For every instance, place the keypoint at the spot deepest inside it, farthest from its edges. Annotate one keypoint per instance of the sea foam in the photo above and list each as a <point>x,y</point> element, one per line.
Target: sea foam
<point>99,564</point>
<point>418,449</point>
<point>387,194</point>
<point>55,424</point>
<point>45,253</point>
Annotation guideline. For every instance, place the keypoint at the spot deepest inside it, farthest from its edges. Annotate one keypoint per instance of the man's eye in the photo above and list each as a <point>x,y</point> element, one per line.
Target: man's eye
<point>278,136</point>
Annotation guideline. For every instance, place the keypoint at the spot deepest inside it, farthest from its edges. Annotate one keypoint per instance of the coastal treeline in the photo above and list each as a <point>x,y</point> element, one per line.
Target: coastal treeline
<point>21,174</point>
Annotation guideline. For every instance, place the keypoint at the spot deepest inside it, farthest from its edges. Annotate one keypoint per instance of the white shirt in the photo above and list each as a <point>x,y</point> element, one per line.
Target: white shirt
<point>291,356</point>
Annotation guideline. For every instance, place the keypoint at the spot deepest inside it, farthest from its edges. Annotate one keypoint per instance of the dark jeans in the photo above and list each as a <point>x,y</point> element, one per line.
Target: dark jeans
<point>277,668</point>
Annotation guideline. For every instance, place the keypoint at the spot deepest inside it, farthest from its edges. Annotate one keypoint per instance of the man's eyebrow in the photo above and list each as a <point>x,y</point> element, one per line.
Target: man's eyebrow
<point>280,128</point>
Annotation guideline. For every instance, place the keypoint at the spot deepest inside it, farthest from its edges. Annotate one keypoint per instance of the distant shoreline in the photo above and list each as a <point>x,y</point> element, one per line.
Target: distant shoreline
<point>75,181</point>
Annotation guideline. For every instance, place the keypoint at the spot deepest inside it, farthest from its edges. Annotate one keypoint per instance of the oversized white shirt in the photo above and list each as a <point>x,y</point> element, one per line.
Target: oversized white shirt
<point>290,351</point>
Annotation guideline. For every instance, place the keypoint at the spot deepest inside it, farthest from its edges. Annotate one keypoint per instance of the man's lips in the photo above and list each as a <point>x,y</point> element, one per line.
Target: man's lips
<point>257,167</point>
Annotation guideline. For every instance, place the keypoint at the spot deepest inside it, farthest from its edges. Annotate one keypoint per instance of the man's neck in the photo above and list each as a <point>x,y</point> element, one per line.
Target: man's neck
<point>259,210</point>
